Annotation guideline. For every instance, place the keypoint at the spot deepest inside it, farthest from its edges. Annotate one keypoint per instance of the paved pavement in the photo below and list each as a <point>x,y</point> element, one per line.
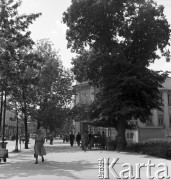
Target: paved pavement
<point>68,163</point>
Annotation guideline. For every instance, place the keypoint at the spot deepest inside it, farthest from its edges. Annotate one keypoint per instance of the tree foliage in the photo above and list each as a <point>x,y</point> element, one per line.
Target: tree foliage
<point>116,40</point>
<point>54,89</point>
<point>80,112</point>
<point>13,57</point>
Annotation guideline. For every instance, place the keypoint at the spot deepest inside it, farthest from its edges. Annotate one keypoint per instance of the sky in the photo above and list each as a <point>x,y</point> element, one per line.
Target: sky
<point>49,25</point>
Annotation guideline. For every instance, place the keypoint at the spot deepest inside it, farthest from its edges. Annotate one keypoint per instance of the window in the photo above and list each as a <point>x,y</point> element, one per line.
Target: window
<point>160,120</point>
<point>131,135</point>
<point>170,120</point>
<point>169,98</point>
<point>127,135</point>
<point>161,98</point>
<point>12,119</point>
<point>149,121</point>
<point>85,97</point>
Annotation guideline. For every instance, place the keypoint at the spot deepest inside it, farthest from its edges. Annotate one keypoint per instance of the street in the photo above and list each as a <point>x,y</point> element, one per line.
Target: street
<point>68,163</point>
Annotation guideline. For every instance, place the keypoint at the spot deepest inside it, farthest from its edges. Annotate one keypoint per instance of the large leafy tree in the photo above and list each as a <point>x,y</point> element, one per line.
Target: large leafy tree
<point>22,91</point>
<point>14,30</point>
<point>116,40</point>
<point>54,88</point>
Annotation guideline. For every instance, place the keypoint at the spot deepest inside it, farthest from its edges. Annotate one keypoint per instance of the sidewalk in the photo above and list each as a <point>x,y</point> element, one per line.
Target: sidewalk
<point>67,163</point>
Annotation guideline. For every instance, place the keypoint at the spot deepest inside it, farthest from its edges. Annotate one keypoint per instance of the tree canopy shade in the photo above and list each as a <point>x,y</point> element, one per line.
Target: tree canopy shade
<point>115,41</point>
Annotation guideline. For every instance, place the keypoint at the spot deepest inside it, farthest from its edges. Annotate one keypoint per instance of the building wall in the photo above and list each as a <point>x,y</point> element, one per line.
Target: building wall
<point>85,93</point>
<point>150,133</point>
<point>10,123</point>
<point>31,127</point>
<point>163,118</point>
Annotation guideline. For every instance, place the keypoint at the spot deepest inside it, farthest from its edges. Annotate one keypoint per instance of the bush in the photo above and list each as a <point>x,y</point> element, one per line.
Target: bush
<point>111,145</point>
<point>13,137</point>
<point>153,147</point>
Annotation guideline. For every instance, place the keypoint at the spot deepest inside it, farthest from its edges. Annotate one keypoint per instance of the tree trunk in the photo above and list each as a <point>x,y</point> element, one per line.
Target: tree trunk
<point>4,116</point>
<point>1,114</point>
<point>16,143</point>
<point>25,119</point>
<point>25,125</point>
<point>121,140</point>
<point>38,124</point>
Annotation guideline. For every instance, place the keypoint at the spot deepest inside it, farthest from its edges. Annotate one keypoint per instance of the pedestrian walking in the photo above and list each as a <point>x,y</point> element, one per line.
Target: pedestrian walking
<point>84,143</point>
<point>103,140</point>
<point>71,138</point>
<point>90,139</point>
<point>64,138</point>
<point>78,139</point>
<point>39,149</point>
<point>51,139</point>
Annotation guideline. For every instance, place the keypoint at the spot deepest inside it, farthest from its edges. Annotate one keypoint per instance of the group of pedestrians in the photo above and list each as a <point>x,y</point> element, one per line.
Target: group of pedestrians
<point>65,138</point>
<point>78,139</point>
<point>72,139</point>
<point>86,141</point>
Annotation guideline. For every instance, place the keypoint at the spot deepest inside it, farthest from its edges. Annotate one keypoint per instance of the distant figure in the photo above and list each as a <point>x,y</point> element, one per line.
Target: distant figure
<point>103,140</point>
<point>39,149</point>
<point>22,138</point>
<point>71,138</point>
<point>64,138</point>
<point>85,141</point>
<point>67,138</point>
<point>28,137</point>
<point>90,140</point>
<point>51,139</point>
<point>78,139</point>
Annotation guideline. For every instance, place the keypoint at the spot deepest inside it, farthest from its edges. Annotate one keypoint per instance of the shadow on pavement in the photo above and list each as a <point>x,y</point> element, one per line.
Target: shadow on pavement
<point>58,169</point>
<point>142,155</point>
<point>62,148</point>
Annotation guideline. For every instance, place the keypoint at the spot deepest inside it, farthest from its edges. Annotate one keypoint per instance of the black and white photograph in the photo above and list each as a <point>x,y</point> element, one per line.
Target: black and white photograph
<point>85,89</point>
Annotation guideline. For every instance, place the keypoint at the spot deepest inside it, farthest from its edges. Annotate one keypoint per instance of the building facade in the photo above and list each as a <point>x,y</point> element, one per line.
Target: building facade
<point>85,94</point>
<point>10,124</point>
<point>158,126</point>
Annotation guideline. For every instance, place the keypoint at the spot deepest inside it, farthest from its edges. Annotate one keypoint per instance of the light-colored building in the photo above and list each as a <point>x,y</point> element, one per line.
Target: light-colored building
<point>31,127</point>
<point>10,123</point>
<point>158,126</point>
<point>86,95</point>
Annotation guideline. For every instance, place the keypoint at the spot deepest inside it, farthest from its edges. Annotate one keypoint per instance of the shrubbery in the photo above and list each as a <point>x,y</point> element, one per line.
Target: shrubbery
<point>153,147</point>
